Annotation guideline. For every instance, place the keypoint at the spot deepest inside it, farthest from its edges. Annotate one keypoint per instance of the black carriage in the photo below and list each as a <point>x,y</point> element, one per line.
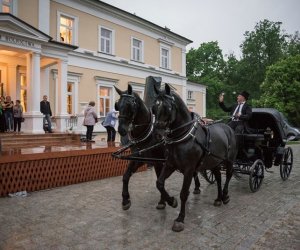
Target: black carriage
<point>263,146</point>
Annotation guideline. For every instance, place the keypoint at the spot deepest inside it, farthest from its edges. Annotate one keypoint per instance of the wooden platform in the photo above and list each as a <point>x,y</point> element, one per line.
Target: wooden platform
<point>35,162</point>
<point>16,140</point>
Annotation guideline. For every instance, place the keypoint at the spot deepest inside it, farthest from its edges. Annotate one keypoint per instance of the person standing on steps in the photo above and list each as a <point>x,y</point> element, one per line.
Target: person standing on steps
<point>109,124</point>
<point>90,119</point>
<point>45,109</point>
<point>18,114</point>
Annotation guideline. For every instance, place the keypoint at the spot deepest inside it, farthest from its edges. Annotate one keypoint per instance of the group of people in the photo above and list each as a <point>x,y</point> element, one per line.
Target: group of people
<point>11,115</point>
<point>91,118</point>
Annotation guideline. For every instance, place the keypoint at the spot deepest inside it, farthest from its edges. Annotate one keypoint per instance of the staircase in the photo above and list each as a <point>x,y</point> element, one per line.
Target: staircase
<point>10,140</point>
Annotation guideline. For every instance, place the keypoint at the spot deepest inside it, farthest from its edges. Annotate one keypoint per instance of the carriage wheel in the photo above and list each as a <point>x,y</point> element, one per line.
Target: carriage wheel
<point>256,175</point>
<point>209,176</point>
<point>286,164</point>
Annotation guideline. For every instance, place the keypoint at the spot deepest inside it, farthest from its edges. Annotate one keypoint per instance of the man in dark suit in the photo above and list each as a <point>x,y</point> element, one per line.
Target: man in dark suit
<point>240,112</point>
<point>46,110</point>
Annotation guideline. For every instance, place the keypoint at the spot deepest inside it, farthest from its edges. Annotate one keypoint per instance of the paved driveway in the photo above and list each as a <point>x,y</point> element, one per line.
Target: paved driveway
<point>89,216</point>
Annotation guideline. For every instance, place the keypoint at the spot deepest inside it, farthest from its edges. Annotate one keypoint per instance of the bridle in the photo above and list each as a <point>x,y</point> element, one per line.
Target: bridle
<point>173,135</point>
<point>150,126</point>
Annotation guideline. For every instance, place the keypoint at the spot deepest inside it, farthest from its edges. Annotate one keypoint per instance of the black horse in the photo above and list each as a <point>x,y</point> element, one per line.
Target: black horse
<point>192,147</point>
<point>136,121</point>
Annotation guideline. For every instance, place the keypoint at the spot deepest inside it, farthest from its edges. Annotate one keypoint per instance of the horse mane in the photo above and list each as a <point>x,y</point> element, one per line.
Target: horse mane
<point>179,102</point>
<point>140,102</point>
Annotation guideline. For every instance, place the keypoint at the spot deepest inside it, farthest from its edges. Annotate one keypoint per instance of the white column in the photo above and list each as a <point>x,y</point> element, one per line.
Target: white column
<point>33,116</point>
<point>62,114</point>
<point>44,83</point>
<point>12,81</point>
<point>62,87</point>
<point>36,82</point>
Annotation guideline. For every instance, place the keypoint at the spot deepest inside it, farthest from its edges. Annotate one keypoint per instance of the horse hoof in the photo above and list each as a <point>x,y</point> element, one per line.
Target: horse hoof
<point>178,226</point>
<point>217,203</point>
<point>175,203</point>
<point>197,191</point>
<point>226,199</point>
<point>126,206</point>
<point>161,206</point>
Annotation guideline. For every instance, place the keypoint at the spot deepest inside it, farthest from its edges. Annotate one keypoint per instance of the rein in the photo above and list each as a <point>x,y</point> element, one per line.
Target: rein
<point>136,156</point>
<point>142,137</point>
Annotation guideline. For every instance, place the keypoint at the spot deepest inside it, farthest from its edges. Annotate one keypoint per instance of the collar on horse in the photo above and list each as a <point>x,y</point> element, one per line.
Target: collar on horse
<point>144,136</point>
<point>191,132</point>
<point>196,122</point>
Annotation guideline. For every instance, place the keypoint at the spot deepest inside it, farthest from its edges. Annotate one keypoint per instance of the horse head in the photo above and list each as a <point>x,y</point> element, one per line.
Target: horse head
<point>165,108</point>
<point>134,116</point>
<point>127,108</point>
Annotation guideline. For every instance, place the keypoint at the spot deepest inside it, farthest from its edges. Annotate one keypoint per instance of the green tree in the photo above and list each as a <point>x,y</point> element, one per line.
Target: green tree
<point>260,49</point>
<point>205,61</point>
<point>292,47</point>
<point>281,88</point>
<point>205,65</point>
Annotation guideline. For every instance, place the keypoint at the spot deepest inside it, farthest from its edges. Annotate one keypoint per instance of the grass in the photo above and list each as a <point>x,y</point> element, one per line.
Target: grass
<point>293,142</point>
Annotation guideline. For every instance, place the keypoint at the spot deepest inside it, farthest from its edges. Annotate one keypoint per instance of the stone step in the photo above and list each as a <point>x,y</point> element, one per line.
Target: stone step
<point>21,140</point>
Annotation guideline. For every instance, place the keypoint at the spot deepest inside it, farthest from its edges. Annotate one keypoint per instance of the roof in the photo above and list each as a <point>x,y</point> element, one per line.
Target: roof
<point>163,29</point>
<point>272,119</point>
<point>9,17</point>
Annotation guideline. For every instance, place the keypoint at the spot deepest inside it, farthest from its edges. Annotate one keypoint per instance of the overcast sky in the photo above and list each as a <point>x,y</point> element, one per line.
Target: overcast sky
<point>224,21</point>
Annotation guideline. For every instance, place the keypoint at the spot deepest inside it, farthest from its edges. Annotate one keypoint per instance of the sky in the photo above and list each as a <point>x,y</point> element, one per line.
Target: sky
<point>224,21</point>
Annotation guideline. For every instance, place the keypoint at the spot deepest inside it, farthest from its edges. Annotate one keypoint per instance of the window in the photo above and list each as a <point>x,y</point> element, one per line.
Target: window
<point>23,89</point>
<point>105,100</point>
<point>137,50</point>
<point>190,94</point>
<point>106,40</point>
<point>165,57</point>
<point>138,89</point>
<point>67,28</point>
<point>6,6</point>
<point>70,98</point>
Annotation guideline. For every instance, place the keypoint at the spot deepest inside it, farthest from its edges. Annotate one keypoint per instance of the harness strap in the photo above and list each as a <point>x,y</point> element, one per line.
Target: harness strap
<point>143,138</point>
<point>133,156</point>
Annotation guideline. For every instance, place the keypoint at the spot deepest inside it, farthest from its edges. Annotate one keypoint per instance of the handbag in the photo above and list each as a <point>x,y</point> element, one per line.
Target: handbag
<point>22,119</point>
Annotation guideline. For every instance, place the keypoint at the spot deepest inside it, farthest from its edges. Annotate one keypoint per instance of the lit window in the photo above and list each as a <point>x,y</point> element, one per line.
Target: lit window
<point>165,58</point>
<point>23,95</point>
<point>137,50</point>
<point>106,40</point>
<point>105,99</point>
<point>66,30</point>
<point>70,99</point>
<point>6,6</point>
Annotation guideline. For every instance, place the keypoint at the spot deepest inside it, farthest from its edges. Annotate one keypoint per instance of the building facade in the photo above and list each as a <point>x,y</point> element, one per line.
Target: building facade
<point>76,51</point>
